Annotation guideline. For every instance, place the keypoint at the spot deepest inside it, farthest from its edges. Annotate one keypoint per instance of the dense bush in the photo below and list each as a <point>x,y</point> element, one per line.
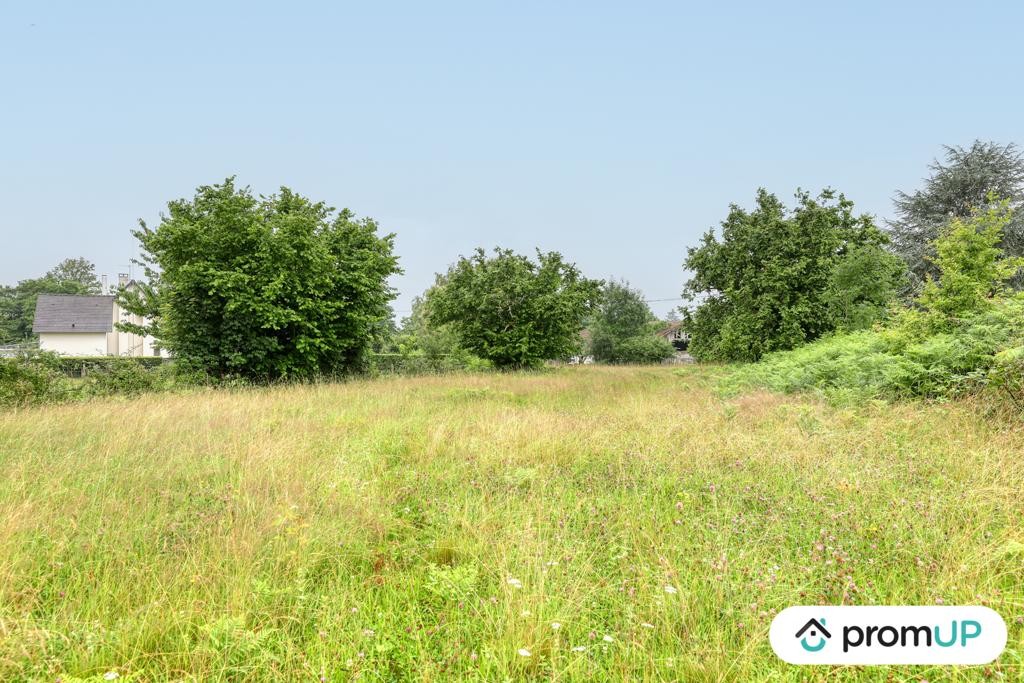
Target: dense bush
<point>621,314</point>
<point>32,379</point>
<point>423,347</point>
<point>512,310</point>
<point>80,366</point>
<point>886,364</point>
<point>38,378</point>
<point>124,376</point>
<point>963,333</point>
<point>264,288</point>
<point>779,277</point>
<point>644,349</point>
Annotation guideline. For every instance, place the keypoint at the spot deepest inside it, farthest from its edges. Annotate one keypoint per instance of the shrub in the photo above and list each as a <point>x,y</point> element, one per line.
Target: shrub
<point>122,376</point>
<point>420,362</point>
<point>81,366</point>
<point>894,364</point>
<point>1007,375</point>
<point>956,339</point>
<point>264,288</point>
<point>32,379</point>
<point>644,349</point>
<point>512,310</point>
<point>622,314</point>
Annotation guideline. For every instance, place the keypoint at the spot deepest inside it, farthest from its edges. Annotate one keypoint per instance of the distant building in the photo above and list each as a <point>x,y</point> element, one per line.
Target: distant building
<point>675,333</point>
<point>85,326</point>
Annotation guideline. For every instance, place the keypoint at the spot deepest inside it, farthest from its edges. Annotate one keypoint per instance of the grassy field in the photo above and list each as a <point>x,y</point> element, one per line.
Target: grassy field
<point>582,524</point>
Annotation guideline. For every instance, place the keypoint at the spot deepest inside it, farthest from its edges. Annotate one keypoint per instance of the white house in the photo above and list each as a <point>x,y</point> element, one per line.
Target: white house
<point>85,326</point>
<point>675,333</point>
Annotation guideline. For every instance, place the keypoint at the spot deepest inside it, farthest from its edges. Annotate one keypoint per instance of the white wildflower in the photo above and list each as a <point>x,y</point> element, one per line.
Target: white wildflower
<point>523,652</point>
<point>608,639</point>
<point>671,590</point>
<point>110,676</point>
<point>555,625</point>
<point>515,583</point>
<point>579,648</point>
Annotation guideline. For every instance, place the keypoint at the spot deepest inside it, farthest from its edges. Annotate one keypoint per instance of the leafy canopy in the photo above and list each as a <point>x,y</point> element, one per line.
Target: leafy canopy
<point>955,188</point>
<point>779,278</point>
<point>18,303</point>
<point>974,272</point>
<point>644,349</point>
<point>511,310</point>
<point>265,287</point>
<point>622,329</point>
<point>963,333</point>
<point>423,346</point>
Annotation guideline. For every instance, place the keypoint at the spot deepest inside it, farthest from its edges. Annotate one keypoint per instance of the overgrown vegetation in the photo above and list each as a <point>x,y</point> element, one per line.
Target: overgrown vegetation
<point>585,524</point>
<point>263,288</point>
<point>963,183</point>
<point>39,378</point>
<point>511,310</point>
<point>644,349</point>
<point>964,333</point>
<point>779,278</point>
<point>622,328</point>
<point>423,346</point>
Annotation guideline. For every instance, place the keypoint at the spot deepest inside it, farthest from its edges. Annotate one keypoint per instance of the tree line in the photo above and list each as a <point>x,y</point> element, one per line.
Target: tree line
<point>281,286</point>
<point>777,278</point>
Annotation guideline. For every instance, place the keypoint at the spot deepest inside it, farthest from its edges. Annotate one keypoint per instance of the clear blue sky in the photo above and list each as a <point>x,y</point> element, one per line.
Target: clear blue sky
<point>615,133</point>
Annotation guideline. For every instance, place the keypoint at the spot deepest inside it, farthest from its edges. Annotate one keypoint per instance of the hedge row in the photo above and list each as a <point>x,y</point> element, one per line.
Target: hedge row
<point>80,366</point>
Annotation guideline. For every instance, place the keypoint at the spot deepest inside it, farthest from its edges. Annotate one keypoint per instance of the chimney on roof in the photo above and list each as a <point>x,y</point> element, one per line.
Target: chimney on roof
<point>123,279</point>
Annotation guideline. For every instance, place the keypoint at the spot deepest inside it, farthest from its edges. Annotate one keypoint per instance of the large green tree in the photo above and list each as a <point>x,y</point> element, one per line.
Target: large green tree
<point>514,311</point>
<point>778,278</point>
<point>18,302</point>
<point>968,179</point>
<point>264,287</point>
<point>621,321</point>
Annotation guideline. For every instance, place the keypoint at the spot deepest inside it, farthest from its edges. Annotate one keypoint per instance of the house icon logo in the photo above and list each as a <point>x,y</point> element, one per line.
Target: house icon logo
<point>817,630</point>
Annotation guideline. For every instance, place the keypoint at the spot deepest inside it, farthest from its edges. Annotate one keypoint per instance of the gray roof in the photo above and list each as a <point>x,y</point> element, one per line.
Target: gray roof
<point>67,313</point>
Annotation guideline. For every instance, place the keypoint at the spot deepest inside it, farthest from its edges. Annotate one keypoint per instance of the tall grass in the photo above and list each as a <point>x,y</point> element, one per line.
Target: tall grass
<point>439,528</point>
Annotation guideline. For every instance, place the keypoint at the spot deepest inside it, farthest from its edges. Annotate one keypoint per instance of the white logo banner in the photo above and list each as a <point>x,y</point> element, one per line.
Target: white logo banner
<point>888,635</point>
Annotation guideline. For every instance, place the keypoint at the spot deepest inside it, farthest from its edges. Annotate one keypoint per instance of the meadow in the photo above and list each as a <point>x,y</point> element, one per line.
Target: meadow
<point>578,524</point>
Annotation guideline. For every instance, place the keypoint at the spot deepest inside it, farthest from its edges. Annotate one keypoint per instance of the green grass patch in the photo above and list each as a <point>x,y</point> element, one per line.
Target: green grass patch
<point>613,523</point>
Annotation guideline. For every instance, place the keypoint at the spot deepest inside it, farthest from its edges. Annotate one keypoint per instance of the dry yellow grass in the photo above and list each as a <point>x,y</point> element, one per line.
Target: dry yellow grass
<point>431,528</point>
